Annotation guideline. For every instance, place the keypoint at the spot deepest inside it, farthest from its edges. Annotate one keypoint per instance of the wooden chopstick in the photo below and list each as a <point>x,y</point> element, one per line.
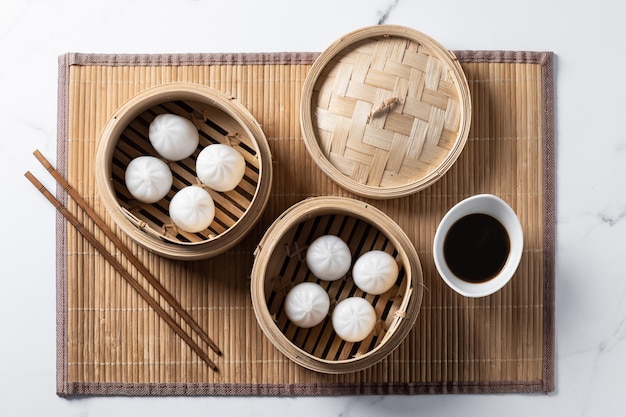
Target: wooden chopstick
<point>120,269</point>
<point>127,252</point>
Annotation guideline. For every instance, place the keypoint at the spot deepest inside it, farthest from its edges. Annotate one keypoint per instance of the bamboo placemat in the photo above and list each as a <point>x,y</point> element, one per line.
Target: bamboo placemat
<point>110,342</point>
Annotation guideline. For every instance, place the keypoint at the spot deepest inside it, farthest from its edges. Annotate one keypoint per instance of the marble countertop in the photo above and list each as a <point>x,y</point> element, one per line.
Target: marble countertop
<point>586,38</point>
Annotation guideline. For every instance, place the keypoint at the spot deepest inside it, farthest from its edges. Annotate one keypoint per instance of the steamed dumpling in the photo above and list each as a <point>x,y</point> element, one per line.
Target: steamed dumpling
<point>148,179</point>
<point>220,167</point>
<point>307,304</point>
<point>192,209</point>
<point>375,272</point>
<point>353,319</point>
<point>173,137</point>
<point>328,257</point>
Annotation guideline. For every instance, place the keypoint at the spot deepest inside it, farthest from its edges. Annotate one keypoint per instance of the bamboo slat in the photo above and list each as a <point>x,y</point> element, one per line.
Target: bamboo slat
<point>112,342</point>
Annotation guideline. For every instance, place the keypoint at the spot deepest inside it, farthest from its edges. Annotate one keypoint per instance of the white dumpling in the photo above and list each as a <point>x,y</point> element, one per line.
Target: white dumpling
<point>220,167</point>
<point>192,209</point>
<point>173,137</point>
<point>328,257</point>
<point>307,304</point>
<point>353,319</point>
<point>375,272</point>
<point>148,179</point>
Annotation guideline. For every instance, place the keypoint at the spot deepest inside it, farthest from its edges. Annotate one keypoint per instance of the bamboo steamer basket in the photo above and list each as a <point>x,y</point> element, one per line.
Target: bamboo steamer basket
<point>280,264</point>
<point>219,119</point>
<point>385,111</point>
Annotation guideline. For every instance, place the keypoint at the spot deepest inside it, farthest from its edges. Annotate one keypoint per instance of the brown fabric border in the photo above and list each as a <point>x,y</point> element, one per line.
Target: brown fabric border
<point>549,193</point>
<point>61,224</point>
<point>301,390</point>
<point>274,58</point>
<point>65,388</point>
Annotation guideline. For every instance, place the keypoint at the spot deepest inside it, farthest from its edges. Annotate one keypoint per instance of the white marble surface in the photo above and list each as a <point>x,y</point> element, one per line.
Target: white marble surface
<point>587,37</point>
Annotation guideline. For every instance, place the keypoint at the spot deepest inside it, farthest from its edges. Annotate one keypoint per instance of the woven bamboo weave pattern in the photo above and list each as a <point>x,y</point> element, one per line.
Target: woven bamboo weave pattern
<point>387,111</point>
<point>110,342</point>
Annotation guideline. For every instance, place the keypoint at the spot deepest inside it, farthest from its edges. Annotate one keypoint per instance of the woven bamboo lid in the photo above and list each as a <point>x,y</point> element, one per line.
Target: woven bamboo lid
<point>385,111</point>
<point>219,119</point>
<point>280,264</point>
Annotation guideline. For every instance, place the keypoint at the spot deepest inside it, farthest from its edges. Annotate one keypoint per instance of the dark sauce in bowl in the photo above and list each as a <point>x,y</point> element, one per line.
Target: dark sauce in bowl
<point>476,247</point>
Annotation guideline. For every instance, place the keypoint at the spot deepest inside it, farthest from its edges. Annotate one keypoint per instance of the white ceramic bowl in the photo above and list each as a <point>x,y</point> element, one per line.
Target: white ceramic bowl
<point>497,208</point>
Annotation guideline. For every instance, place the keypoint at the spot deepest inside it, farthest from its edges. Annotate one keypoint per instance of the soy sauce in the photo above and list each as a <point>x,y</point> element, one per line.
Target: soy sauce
<point>476,247</point>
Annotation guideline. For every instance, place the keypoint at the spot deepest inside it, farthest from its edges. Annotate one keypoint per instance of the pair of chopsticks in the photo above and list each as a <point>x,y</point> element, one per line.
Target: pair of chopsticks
<point>118,266</point>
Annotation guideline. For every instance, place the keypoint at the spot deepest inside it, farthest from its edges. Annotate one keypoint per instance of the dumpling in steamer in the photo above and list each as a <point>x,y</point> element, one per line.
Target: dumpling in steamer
<point>328,257</point>
<point>375,272</point>
<point>220,167</point>
<point>307,304</point>
<point>173,137</point>
<point>148,179</point>
<point>353,319</point>
<point>192,209</point>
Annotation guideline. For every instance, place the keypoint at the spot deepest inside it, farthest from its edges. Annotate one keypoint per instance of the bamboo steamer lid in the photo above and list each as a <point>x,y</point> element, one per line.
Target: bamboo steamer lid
<point>385,111</point>
<point>280,264</point>
<point>219,119</point>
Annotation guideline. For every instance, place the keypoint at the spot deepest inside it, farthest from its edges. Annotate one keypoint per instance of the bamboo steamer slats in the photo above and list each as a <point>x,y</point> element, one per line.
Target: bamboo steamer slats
<point>219,120</point>
<point>280,264</point>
